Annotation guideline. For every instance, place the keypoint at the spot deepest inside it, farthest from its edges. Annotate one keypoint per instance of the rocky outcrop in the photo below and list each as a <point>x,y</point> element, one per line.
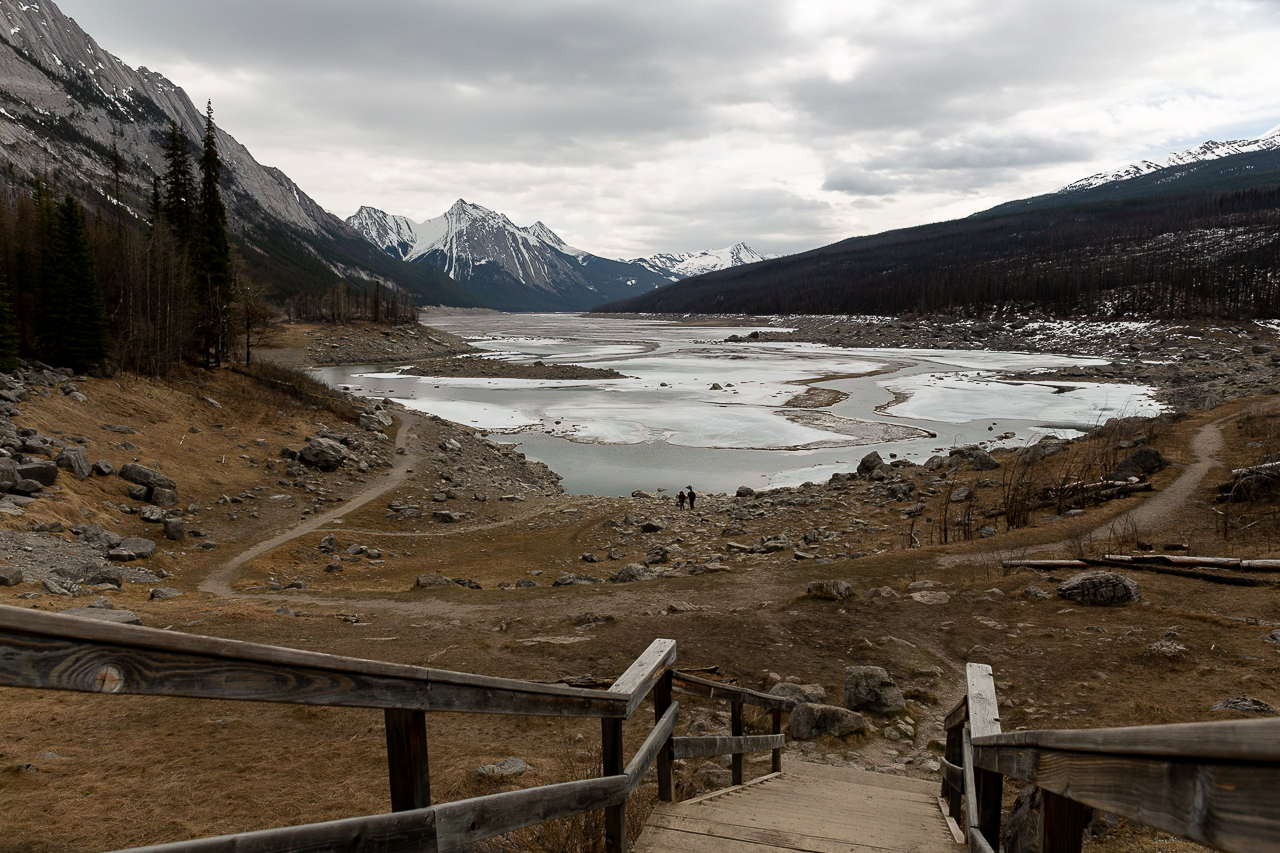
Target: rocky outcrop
<point>1099,589</point>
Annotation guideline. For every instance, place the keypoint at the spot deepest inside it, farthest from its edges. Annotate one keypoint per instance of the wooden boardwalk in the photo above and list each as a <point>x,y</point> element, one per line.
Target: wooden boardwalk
<point>808,807</point>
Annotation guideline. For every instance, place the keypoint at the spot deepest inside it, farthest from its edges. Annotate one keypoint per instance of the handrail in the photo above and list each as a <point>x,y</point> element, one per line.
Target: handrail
<point>56,652</point>
<point>1213,783</point>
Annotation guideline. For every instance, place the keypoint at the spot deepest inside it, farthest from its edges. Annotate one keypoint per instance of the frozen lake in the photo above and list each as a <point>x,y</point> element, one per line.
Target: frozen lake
<point>666,425</point>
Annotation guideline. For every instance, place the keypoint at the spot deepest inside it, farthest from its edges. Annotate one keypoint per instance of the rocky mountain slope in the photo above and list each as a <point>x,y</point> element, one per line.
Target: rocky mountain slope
<point>528,269</point>
<point>65,103</point>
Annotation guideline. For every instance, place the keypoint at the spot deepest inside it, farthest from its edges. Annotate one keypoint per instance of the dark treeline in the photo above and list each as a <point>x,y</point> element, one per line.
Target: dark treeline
<point>1212,254</point>
<point>87,290</point>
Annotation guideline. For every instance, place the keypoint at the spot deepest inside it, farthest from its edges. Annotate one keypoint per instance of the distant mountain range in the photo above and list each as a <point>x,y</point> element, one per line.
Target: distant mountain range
<point>1196,235</point>
<point>503,265</point>
<point>64,102</point>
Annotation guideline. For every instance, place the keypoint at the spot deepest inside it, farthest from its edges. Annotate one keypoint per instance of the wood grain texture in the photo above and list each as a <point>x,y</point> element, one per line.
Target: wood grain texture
<point>957,715</point>
<point>662,702</point>
<point>615,815</point>
<point>402,832</point>
<point>1062,823</point>
<point>694,686</point>
<point>697,747</point>
<point>641,676</point>
<point>654,745</point>
<point>407,765</point>
<point>1231,806</point>
<point>1229,740</point>
<point>47,651</point>
<point>466,821</point>
<point>984,713</point>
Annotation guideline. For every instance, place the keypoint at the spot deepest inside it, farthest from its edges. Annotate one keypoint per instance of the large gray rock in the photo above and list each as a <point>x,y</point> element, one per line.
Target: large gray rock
<point>800,694</point>
<point>164,593</point>
<point>1099,589</point>
<point>633,572</point>
<point>175,530</point>
<point>869,688</point>
<point>44,473</point>
<point>164,497</point>
<point>10,576</point>
<point>143,476</point>
<point>984,461</point>
<point>431,579</point>
<point>1246,704</point>
<point>133,548</point>
<point>75,460</point>
<point>122,617</point>
<point>323,453</point>
<point>869,463</point>
<point>502,770</point>
<point>1143,462</point>
<point>9,476</point>
<point>808,720</point>
<point>831,590</point>
<point>1022,826</point>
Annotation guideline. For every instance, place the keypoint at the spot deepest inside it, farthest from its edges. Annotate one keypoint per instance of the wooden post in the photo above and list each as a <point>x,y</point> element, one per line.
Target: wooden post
<point>984,720</point>
<point>1062,823</point>
<point>777,730</point>
<point>990,789</point>
<point>736,730</point>
<point>954,754</point>
<point>615,817</point>
<point>666,766</point>
<point>407,764</point>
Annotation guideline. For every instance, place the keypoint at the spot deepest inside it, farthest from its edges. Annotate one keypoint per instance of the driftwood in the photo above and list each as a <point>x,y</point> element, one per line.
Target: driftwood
<point>1166,564</point>
<point>1249,483</point>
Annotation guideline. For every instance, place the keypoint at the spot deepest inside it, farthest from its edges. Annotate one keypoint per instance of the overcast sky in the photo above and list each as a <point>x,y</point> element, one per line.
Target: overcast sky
<point>662,125</point>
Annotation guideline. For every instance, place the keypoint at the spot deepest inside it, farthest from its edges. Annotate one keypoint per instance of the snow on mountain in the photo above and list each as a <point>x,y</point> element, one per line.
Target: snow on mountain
<point>1209,150</point>
<point>531,268</point>
<point>678,265</point>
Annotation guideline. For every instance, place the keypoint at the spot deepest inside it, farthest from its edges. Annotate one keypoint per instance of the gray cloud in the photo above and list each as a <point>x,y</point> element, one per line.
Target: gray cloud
<point>638,127</point>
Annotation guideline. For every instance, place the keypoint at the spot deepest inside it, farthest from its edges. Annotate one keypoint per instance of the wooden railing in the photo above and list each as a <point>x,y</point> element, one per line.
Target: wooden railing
<point>52,652</point>
<point>1214,783</point>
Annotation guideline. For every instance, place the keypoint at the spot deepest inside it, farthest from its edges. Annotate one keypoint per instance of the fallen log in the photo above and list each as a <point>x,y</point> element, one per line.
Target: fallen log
<point>1226,580</point>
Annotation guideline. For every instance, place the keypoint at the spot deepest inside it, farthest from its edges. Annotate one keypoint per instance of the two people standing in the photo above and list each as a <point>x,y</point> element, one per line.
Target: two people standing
<point>689,495</point>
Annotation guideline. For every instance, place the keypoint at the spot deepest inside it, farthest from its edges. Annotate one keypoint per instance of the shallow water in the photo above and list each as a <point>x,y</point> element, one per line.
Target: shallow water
<point>665,427</point>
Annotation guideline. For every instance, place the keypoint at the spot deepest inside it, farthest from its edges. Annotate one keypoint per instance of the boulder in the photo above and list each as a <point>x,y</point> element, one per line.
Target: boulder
<point>745,492</point>
<point>983,461</point>
<point>9,476</point>
<point>106,575</point>
<point>444,516</point>
<point>323,453</point>
<point>1099,589</point>
<point>175,530</point>
<point>151,514</point>
<point>1022,826</point>
<point>633,572</point>
<point>44,473</point>
<point>141,475</point>
<point>328,544</point>
<point>652,527</point>
<point>883,592</point>
<point>164,497</point>
<point>75,460</point>
<point>870,463</point>
<point>10,576</point>
<point>164,593</point>
<point>930,596</point>
<point>431,579</point>
<point>502,770</point>
<point>120,617</point>
<point>27,486</point>
<point>831,590</point>
<point>1247,704</point>
<point>103,468</point>
<point>800,694</point>
<point>869,688</point>
<point>133,548</point>
<point>808,720</point>
<point>1143,462</point>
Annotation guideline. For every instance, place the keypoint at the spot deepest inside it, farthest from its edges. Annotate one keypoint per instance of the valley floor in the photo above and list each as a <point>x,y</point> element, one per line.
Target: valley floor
<point>82,772</point>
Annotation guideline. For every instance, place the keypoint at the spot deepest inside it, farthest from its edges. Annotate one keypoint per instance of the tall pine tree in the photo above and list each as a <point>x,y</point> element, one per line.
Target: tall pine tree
<point>76,331</point>
<point>178,204</point>
<point>212,251</point>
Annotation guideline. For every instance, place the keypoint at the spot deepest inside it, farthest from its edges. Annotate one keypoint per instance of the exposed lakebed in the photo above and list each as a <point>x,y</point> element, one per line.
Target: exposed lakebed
<point>693,408</point>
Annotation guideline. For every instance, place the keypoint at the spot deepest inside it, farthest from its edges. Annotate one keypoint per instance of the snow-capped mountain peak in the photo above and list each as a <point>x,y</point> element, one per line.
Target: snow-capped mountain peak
<point>678,265</point>
<point>1210,150</point>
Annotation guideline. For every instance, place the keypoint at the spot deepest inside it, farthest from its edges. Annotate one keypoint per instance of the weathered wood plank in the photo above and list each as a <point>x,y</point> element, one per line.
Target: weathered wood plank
<point>615,815</point>
<point>408,768</point>
<point>662,702</point>
<point>401,832</point>
<point>984,713</point>
<point>49,651</point>
<point>970,788</point>
<point>1229,740</point>
<point>654,745</point>
<point>1231,806</point>
<point>466,821</point>
<point>812,841</point>
<point>640,677</point>
<point>957,715</point>
<point>977,843</point>
<point>776,729</point>
<point>952,775</point>
<point>692,685</point>
<point>954,755</point>
<point>1062,823</point>
<point>696,747</point>
<point>735,729</point>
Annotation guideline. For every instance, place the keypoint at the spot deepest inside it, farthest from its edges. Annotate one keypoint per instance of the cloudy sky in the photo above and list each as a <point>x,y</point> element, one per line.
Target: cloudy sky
<point>662,125</point>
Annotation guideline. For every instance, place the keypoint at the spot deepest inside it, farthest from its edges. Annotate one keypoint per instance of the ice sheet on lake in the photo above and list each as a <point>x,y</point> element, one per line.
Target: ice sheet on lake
<point>965,397</point>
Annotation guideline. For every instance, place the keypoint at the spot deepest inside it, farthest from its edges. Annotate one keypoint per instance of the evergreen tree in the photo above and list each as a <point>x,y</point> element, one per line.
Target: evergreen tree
<point>178,203</point>
<point>75,328</point>
<point>212,251</point>
<point>8,326</point>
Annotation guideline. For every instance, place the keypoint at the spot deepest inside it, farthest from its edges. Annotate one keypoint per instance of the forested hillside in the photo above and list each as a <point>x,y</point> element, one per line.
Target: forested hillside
<point>1205,242</point>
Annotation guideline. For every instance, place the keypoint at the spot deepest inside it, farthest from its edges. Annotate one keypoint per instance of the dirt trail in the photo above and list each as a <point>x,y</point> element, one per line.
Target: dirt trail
<point>219,580</point>
<point>1206,444</point>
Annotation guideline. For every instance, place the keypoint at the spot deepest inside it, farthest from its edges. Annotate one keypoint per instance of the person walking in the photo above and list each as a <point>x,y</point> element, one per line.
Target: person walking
<point>693,496</point>
<point>680,498</point>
